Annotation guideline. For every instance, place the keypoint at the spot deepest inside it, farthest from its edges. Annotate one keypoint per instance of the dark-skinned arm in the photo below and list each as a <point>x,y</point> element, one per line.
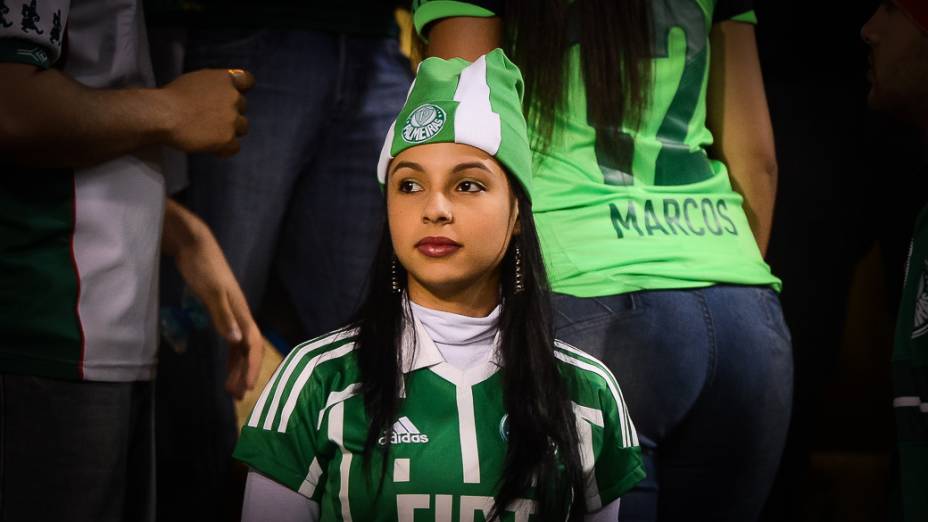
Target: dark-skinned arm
<point>463,37</point>
<point>48,119</point>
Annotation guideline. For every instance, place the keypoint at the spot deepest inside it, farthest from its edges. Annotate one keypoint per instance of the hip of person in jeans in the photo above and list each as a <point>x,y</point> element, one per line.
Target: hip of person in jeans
<point>707,374</point>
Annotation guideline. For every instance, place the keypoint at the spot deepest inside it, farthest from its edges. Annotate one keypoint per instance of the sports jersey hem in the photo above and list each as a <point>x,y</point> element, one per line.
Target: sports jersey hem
<point>72,371</point>
<point>439,9</point>
<point>118,373</point>
<point>17,50</point>
<point>606,289</point>
<point>622,486</point>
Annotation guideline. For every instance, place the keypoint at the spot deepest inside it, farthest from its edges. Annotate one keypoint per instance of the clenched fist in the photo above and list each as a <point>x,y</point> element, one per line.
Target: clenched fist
<point>207,108</point>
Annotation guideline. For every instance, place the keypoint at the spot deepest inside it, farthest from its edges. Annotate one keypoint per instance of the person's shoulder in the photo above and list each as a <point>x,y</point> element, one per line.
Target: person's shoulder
<point>331,353</point>
<point>306,377</point>
<point>322,364</point>
<point>584,373</point>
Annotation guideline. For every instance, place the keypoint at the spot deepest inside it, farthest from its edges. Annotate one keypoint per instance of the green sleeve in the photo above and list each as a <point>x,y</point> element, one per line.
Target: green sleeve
<point>293,455</point>
<point>425,12</point>
<point>618,465</point>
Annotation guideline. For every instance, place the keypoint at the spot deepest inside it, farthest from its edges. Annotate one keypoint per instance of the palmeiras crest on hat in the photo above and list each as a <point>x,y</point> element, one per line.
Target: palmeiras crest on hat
<point>475,103</point>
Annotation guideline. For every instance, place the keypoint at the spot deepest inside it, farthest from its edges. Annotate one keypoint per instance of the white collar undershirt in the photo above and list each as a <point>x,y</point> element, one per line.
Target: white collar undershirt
<point>463,341</point>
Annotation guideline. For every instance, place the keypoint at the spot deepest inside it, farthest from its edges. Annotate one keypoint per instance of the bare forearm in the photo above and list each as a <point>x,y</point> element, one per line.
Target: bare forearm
<point>49,120</point>
<point>181,228</point>
<point>740,121</point>
<point>757,183</point>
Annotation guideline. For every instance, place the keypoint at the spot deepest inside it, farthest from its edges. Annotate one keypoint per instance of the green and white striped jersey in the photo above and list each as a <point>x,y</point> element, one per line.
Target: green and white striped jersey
<point>308,428</point>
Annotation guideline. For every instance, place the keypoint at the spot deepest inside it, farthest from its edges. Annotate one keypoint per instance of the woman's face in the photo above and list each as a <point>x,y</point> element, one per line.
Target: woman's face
<point>451,214</point>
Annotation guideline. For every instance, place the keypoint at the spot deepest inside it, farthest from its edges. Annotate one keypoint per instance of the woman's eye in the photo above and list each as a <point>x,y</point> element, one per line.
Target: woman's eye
<point>470,186</point>
<point>409,186</point>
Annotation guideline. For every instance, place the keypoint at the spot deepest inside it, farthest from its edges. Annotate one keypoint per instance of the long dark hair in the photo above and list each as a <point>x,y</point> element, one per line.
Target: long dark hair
<point>615,52</point>
<point>541,417</point>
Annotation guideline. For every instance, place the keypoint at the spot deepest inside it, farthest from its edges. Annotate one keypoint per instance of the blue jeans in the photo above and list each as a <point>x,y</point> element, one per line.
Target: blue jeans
<point>299,205</point>
<point>301,198</point>
<point>708,378</point>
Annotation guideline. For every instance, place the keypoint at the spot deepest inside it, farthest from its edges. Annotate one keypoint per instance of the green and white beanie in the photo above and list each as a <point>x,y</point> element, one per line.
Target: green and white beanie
<point>456,101</point>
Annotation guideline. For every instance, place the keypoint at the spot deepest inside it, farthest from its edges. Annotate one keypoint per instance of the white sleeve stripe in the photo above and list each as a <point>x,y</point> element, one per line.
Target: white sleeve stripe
<point>292,361</point>
<point>620,404</point>
<point>259,406</point>
<point>303,379</point>
<point>273,383</point>
<point>599,364</point>
<point>336,397</point>
<point>585,357</point>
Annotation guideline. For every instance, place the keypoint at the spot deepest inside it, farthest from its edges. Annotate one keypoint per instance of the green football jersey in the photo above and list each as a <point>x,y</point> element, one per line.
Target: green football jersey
<point>448,442</point>
<point>910,380</point>
<point>622,209</point>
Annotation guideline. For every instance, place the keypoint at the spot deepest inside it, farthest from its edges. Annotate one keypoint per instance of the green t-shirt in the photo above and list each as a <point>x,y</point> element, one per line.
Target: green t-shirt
<point>448,443</point>
<point>626,209</point>
<point>910,380</point>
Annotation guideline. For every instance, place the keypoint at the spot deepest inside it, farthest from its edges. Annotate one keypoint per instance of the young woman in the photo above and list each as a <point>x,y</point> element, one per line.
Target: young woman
<point>449,397</point>
<point>653,193</point>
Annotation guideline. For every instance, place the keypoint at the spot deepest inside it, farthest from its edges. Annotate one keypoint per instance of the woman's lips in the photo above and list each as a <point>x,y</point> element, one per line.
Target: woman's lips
<point>437,246</point>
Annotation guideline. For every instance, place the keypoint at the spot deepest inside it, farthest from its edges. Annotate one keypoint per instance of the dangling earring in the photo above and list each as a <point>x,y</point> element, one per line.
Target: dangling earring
<point>394,279</point>
<point>519,285</point>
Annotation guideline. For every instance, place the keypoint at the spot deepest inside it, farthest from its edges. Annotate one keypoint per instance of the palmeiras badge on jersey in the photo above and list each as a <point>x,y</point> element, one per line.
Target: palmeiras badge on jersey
<point>424,123</point>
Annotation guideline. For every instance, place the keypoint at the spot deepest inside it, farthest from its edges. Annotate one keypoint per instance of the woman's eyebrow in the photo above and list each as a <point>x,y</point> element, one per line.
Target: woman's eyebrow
<point>409,165</point>
<point>470,165</point>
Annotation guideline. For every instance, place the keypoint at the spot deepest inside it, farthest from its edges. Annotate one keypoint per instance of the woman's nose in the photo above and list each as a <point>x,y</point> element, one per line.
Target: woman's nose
<point>437,209</point>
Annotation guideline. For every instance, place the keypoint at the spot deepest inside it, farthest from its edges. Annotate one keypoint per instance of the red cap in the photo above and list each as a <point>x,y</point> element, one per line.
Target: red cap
<point>918,10</point>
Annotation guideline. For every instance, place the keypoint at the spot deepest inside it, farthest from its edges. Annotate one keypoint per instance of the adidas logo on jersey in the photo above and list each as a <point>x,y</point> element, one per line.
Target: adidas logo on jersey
<point>404,432</point>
